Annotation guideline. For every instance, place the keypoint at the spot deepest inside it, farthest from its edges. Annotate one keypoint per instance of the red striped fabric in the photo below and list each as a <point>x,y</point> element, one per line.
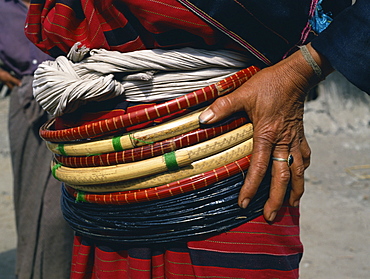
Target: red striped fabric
<point>124,25</point>
<point>253,250</point>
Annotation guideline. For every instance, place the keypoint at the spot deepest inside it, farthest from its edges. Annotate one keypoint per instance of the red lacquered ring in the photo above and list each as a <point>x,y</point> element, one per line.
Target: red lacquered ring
<point>174,188</point>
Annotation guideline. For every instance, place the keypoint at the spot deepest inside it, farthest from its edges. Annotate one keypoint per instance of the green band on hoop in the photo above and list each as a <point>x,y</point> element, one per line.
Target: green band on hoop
<point>80,197</point>
<point>54,169</point>
<point>143,141</point>
<point>60,148</point>
<point>116,142</point>
<point>170,160</point>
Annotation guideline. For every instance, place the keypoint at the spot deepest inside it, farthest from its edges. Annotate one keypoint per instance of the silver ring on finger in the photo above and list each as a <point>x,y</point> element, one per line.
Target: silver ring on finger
<point>289,160</point>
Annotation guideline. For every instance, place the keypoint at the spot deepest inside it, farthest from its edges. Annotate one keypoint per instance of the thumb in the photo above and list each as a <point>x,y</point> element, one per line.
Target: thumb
<point>219,109</point>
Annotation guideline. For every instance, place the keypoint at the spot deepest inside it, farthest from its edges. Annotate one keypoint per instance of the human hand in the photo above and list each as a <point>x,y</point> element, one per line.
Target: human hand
<point>274,101</point>
<point>8,79</point>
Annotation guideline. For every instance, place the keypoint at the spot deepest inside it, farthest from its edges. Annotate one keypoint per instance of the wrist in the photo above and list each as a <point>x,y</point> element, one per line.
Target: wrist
<point>320,60</point>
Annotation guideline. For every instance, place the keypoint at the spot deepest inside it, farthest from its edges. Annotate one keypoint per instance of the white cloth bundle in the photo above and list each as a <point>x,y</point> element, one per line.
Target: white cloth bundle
<point>62,86</point>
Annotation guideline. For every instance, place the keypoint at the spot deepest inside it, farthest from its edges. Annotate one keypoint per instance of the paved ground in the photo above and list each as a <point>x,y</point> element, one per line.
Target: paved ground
<point>335,207</point>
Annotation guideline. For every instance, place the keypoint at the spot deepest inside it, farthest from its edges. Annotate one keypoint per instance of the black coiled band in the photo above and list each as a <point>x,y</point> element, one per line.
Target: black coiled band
<point>188,216</point>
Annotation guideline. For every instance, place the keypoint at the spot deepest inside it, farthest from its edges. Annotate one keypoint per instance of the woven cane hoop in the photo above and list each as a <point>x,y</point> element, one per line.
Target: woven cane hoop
<point>151,150</point>
<point>102,127</point>
<point>137,138</point>
<point>204,165</point>
<point>179,158</point>
<point>164,191</point>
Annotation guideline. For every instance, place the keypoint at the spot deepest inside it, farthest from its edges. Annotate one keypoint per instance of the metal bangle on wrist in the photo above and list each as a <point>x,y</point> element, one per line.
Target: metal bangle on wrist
<point>311,61</point>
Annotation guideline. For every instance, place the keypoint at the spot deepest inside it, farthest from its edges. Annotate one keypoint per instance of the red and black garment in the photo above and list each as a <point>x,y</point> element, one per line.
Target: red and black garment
<point>268,30</point>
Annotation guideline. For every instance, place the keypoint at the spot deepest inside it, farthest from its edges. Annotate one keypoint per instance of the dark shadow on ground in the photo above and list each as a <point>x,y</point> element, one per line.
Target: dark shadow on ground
<point>7,264</point>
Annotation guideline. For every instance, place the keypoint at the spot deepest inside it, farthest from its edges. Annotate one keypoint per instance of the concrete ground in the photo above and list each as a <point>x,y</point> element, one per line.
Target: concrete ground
<point>335,220</point>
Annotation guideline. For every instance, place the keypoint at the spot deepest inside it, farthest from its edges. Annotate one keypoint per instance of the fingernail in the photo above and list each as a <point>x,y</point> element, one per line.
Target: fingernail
<point>272,216</point>
<point>205,116</point>
<point>244,203</point>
